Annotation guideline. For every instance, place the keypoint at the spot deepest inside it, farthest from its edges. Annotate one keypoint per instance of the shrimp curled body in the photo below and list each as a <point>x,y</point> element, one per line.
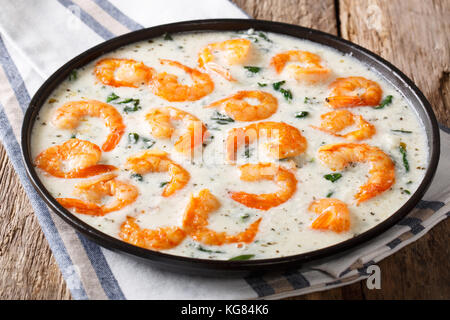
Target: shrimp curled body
<point>381,170</point>
<point>195,222</point>
<point>235,51</point>
<point>283,140</point>
<point>70,114</point>
<point>265,171</point>
<point>310,70</point>
<point>239,109</point>
<point>156,239</point>
<point>160,120</point>
<point>93,191</point>
<point>333,215</point>
<point>158,161</point>
<point>122,72</point>
<point>343,93</point>
<point>167,86</point>
<point>74,158</point>
<point>335,121</point>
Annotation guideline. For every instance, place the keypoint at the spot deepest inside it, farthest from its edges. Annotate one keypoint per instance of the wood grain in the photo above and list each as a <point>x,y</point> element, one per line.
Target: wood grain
<point>27,267</point>
<point>411,34</point>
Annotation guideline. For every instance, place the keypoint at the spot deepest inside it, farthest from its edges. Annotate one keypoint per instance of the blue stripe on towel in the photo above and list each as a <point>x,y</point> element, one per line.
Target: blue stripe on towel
<point>433,205</point>
<point>89,20</point>
<point>63,259</point>
<point>261,287</point>
<point>45,219</point>
<point>296,279</point>
<point>14,77</point>
<point>118,15</point>
<point>102,269</point>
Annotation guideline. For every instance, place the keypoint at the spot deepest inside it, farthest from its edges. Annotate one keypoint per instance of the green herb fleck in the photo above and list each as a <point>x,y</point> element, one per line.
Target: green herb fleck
<point>221,118</point>
<point>132,105</point>
<point>330,194</point>
<point>253,69</point>
<point>277,85</point>
<point>167,36</point>
<point>112,97</point>
<point>148,143</point>
<point>162,184</point>
<point>333,177</point>
<point>402,131</point>
<point>203,249</point>
<point>133,137</point>
<point>242,257</point>
<point>402,149</point>
<point>262,84</point>
<point>73,136</point>
<point>73,75</point>
<point>137,176</point>
<point>407,191</point>
<point>386,101</point>
<point>247,153</point>
<point>286,93</point>
<point>301,114</point>
<point>245,217</point>
<point>264,36</point>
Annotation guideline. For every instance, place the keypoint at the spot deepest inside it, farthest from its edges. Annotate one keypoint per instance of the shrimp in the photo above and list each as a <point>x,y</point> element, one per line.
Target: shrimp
<point>122,72</point>
<point>161,126</point>
<point>73,159</point>
<point>345,93</point>
<point>92,192</point>
<point>235,51</point>
<point>284,140</point>
<point>266,171</point>
<point>156,239</point>
<point>310,69</point>
<point>334,215</point>
<point>158,161</point>
<point>381,171</point>
<point>240,110</point>
<point>337,120</point>
<point>166,85</point>
<point>69,115</point>
<point>195,222</point>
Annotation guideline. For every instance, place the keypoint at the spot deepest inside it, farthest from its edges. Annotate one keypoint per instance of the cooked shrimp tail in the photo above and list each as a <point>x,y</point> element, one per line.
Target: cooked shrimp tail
<point>333,215</point>
<point>265,171</point>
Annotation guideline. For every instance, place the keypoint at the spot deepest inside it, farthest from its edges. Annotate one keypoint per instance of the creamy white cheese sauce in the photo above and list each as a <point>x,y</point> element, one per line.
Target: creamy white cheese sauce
<point>285,229</point>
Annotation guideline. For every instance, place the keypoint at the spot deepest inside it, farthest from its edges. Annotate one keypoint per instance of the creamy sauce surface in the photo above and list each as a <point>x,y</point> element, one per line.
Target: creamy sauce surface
<point>285,229</point>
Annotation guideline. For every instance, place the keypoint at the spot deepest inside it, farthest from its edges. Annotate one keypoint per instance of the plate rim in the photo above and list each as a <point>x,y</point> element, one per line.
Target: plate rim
<point>196,265</point>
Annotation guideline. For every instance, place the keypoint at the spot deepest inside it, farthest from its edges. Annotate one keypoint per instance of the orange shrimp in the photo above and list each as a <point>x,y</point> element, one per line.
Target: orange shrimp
<point>266,171</point>
<point>166,85</point>
<point>122,72</point>
<point>95,190</point>
<point>283,140</point>
<point>344,93</point>
<point>195,222</point>
<point>158,161</point>
<point>160,121</point>
<point>69,115</point>
<point>309,70</point>
<point>334,215</point>
<point>381,172</point>
<point>157,239</point>
<point>235,51</point>
<point>73,159</point>
<point>240,110</point>
<point>335,121</point>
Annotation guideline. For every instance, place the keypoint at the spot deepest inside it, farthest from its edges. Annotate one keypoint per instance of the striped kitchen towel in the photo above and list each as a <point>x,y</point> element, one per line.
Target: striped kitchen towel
<point>37,37</point>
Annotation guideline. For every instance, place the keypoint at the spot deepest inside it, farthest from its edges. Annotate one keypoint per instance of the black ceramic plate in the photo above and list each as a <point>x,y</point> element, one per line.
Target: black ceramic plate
<point>228,268</point>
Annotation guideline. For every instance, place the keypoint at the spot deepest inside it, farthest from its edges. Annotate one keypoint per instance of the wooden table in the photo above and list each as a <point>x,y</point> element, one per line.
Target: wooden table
<point>412,34</point>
